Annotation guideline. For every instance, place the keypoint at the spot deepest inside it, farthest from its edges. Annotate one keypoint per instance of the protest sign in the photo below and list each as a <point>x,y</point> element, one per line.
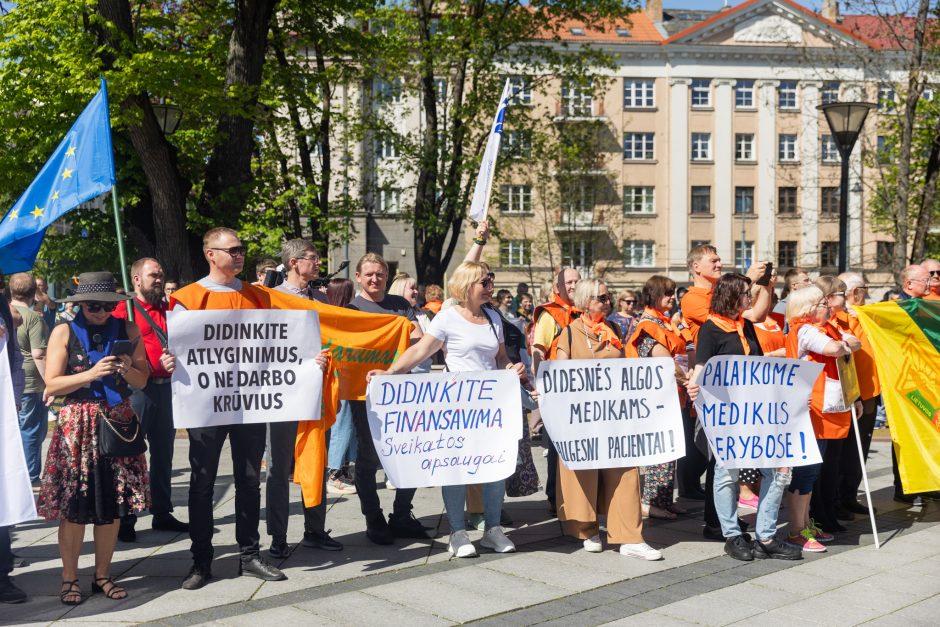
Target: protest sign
<point>755,411</point>
<point>611,413</point>
<point>447,428</point>
<point>244,366</point>
<point>16,497</point>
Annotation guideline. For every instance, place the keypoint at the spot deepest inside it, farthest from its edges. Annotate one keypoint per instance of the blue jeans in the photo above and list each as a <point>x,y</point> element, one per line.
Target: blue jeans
<point>34,423</point>
<point>456,495</point>
<point>342,448</point>
<point>772,488</point>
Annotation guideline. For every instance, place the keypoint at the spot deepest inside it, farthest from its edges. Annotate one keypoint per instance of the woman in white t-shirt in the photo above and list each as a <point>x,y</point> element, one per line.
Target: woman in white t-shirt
<point>472,339</point>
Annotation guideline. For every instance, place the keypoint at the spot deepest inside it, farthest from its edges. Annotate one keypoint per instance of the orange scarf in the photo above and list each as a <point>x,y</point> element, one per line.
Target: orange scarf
<point>731,326</point>
<point>599,327</point>
<point>658,315</point>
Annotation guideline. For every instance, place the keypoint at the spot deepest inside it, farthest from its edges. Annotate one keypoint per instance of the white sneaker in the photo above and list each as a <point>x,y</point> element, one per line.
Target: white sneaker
<point>594,545</point>
<point>641,550</point>
<point>495,539</point>
<point>460,545</point>
<point>388,484</point>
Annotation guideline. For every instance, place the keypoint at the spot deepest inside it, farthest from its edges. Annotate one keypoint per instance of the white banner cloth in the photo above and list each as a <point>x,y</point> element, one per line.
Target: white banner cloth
<point>16,496</point>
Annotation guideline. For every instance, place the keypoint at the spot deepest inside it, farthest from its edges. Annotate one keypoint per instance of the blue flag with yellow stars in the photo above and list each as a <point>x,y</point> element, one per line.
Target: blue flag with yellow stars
<point>80,168</point>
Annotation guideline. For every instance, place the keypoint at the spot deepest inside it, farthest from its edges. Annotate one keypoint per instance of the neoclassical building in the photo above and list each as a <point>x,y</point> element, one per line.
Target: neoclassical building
<point>707,131</point>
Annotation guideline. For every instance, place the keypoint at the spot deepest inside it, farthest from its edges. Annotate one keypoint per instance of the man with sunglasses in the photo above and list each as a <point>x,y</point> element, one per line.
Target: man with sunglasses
<point>221,289</point>
<point>302,264</point>
<point>153,404</point>
<point>932,266</point>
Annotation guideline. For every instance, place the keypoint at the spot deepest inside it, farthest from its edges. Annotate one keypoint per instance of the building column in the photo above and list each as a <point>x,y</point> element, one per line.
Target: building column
<point>855,243</point>
<point>724,160</point>
<point>765,240</point>
<point>678,246</point>
<point>809,175</point>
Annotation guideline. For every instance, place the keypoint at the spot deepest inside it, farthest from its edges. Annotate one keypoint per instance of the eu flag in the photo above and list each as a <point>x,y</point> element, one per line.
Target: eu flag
<point>81,168</point>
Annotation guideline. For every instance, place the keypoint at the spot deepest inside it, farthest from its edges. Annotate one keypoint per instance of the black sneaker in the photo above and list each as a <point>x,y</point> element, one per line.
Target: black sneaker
<point>260,569</point>
<point>167,522</point>
<point>777,550</point>
<point>379,533</point>
<point>321,540</point>
<point>406,526</point>
<point>739,548</point>
<point>279,549</point>
<point>198,577</point>
<point>126,532</point>
<point>843,513</point>
<point>9,593</point>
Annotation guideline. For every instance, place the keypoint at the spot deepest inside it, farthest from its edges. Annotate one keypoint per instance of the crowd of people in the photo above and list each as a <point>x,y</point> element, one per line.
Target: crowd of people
<point>62,355</point>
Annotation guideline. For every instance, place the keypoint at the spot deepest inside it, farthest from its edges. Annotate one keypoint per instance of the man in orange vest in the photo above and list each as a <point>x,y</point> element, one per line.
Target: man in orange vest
<point>222,289</point>
<point>932,266</point>
<point>549,319</point>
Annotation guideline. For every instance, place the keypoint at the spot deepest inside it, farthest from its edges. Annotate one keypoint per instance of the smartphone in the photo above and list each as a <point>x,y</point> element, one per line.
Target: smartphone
<point>768,270</point>
<point>122,347</point>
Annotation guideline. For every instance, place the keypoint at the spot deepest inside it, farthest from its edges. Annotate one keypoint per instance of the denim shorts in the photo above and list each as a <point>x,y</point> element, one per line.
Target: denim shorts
<point>805,476</point>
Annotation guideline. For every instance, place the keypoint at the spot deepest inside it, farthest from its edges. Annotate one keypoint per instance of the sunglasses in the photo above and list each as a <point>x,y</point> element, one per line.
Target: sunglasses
<point>602,298</point>
<point>97,307</point>
<point>487,283</point>
<point>234,251</point>
<point>935,273</point>
<point>669,293</point>
<point>628,301</point>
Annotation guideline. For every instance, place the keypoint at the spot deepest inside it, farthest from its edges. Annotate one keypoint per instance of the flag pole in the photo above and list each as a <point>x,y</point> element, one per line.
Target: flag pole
<point>119,235</point>
<point>861,461</point>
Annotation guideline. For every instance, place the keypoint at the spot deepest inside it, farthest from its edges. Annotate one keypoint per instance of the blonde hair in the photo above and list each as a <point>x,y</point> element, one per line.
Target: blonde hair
<point>400,283</point>
<point>585,291</point>
<point>466,274</point>
<point>213,234</point>
<point>801,302</point>
<point>371,258</point>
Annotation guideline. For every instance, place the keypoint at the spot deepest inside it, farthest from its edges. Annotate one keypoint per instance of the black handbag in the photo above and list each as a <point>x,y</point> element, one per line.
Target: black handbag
<point>120,438</point>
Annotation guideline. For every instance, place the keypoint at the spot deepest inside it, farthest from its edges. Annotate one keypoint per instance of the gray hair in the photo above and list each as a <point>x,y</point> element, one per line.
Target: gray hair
<point>852,280</point>
<point>585,292</point>
<point>294,249</point>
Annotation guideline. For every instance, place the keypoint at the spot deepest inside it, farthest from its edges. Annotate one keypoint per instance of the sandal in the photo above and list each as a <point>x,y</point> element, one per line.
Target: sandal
<point>114,591</point>
<point>71,589</point>
<point>652,511</point>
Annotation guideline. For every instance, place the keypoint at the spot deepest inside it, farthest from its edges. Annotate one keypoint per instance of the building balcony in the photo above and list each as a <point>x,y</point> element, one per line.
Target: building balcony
<point>580,221</point>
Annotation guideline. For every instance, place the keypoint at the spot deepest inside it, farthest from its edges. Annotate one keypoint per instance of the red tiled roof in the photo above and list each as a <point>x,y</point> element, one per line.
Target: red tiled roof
<point>641,27</point>
<point>889,32</point>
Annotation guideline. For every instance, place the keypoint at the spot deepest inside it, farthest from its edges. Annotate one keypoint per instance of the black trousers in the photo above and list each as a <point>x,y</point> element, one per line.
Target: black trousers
<point>551,475</point>
<point>154,406</point>
<point>690,466</point>
<point>205,448</point>
<point>281,439</point>
<point>6,553</point>
<point>711,514</point>
<point>851,468</point>
<point>825,499</point>
<point>367,464</point>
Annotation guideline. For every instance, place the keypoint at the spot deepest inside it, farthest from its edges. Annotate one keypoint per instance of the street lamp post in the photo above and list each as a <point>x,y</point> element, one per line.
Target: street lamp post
<point>168,116</point>
<point>845,121</point>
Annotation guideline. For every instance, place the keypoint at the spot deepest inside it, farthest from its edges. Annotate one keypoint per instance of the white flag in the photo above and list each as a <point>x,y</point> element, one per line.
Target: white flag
<point>481,193</point>
<point>16,497</point>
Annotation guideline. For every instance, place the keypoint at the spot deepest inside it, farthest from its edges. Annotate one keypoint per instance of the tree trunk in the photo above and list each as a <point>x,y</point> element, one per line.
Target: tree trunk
<point>228,173</point>
<point>326,163</point>
<point>928,200</point>
<point>167,188</point>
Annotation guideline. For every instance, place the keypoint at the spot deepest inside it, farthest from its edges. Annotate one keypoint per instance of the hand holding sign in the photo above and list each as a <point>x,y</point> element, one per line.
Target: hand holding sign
<point>755,411</point>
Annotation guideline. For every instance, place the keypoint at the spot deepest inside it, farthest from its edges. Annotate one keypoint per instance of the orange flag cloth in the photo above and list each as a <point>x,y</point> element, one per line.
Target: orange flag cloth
<point>358,342</point>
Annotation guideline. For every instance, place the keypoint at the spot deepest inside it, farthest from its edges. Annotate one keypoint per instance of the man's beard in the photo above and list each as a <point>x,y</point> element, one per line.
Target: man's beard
<point>153,296</point>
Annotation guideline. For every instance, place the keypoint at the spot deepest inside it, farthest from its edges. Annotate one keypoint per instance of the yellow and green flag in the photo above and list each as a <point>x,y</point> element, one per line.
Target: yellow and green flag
<point>905,336</point>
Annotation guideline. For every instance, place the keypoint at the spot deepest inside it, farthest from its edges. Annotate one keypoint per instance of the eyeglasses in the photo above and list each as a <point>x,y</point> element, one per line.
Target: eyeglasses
<point>920,280</point>
<point>822,305</point>
<point>97,307</point>
<point>838,294</point>
<point>314,259</point>
<point>234,251</point>
<point>602,298</point>
<point>863,288</point>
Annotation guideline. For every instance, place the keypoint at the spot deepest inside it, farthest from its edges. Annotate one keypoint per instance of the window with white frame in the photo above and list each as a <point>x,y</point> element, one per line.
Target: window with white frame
<point>701,146</point>
<point>639,253</point>
<point>387,91</point>
<point>521,89</point>
<point>701,92</point>
<point>887,99</point>
<point>638,200</point>
<point>786,95</point>
<point>385,148</point>
<point>517,144</point>
<point>577,197</point>
<point>638,146</point>
<point>743,253</point>
<point>515,198</point>
<point>829,152</point>
<point>786,147</point>
<point>514,252</point>
<point>577,252</point>
<point>744,146</point>
<point>830,92</point>
<point>389,200</point>
<point>744,94</point>
<point>577,99</point>
<point>743,201</point>
<point>638,93</point>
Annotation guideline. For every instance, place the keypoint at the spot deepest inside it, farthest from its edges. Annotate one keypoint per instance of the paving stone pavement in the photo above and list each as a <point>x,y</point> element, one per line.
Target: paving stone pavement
<point>551,580</point>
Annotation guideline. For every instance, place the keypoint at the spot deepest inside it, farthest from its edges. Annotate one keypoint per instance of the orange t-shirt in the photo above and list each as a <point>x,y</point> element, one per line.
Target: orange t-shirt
<point>770,335</point>
<point>695,305</point>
